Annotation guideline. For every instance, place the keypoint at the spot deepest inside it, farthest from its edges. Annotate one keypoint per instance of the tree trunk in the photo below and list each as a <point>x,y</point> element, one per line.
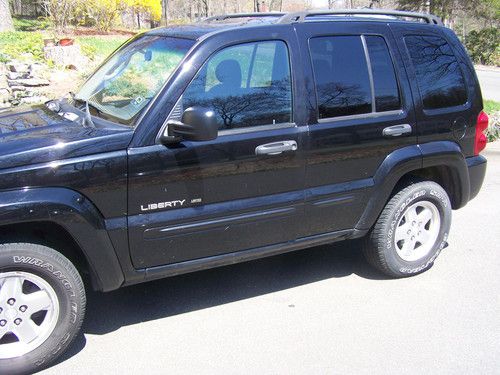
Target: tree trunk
<point>165,12</point>
<point>5,17</point>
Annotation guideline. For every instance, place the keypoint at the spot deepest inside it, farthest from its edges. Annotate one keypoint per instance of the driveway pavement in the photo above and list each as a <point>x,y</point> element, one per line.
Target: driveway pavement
<point>489,79</point>
<point>321,311</point>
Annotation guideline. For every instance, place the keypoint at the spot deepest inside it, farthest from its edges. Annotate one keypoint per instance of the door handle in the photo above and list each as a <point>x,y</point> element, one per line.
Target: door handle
<point>397,130</point>
<point>276,148</point>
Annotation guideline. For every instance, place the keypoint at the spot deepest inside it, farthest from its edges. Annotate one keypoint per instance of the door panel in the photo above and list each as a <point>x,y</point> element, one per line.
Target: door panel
<point>226,197</point>
<point>240,191</point>
<point>345,151</point>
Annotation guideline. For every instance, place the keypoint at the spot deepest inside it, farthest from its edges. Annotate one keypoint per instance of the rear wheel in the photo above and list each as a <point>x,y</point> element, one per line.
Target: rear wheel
<point>42,305</point>
<point>411,230</point>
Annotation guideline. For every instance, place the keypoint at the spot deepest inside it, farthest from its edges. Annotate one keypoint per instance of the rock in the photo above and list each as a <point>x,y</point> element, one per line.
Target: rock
<point>3,82</point>
<point>29,82</point>
<point>5,105</point>
<point>17,88</point>
<point>37,69</point>
<point>66,56</point>
<point>4,91</point>
<point>17,67</point>
<point>34,100</point>
<point>13,75</point>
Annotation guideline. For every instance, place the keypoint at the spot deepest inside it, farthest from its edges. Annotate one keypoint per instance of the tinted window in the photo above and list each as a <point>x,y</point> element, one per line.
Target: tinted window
<point>438,73</point>
<point>245,85</point>
<point>341,74</point>
<point>384,77</point>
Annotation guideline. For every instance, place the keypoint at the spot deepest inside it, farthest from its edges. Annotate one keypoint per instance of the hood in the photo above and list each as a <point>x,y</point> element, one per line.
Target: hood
<point>36,135</point>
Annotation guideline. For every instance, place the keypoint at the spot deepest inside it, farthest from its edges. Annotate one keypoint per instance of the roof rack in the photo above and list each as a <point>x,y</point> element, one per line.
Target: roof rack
<point>223,17</point>
<point>301,16</point>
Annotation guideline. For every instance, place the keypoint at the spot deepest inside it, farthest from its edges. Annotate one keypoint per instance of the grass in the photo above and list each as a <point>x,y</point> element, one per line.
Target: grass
<point>98,48</point>
<point>30,24</point>
<point>491,106</point>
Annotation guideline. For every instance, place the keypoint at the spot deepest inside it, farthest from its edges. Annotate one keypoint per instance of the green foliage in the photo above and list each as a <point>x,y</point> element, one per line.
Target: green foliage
<point>102,13</point>
<point>491,106</point>
<point>15,44</point>
<point>30,24</point>
<point>127,86</point>
<point>493,131</point>
<point>98,48</point>
<point>484,46</point>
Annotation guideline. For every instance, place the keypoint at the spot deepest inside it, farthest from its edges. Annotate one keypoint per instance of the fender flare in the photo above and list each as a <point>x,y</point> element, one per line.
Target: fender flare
<point>78,216</point>
<point>411,158</point>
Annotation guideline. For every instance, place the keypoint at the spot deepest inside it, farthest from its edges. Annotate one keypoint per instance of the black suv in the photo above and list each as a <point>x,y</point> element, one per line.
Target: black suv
<point>239,137</point>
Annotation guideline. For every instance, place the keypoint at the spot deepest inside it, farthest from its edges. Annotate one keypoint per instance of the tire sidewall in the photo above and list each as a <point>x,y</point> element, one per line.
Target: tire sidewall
<point>425,191</point>
<point>35,259</point>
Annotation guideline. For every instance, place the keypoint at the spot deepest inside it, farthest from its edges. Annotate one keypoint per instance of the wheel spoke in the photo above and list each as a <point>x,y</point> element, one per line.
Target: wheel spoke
<point>37,301</point>
<point>408,246</point>
<point>26,331</point>
<point>401,232</point>
<point>11,288</point>
<point>411,214</point>
<point>3,331</point>
<point>425,216</point>
<point>423,236</point>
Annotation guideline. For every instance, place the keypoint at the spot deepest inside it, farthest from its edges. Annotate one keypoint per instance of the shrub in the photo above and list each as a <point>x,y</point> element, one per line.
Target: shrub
<point>16,43</point>
<point>103,13</point>
<point>493,131</point>
<point>61,12</point>
<point>484,46</point>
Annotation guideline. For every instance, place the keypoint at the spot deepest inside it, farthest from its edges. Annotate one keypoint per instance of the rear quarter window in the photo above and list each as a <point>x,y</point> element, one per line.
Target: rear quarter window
<point>439,78</point>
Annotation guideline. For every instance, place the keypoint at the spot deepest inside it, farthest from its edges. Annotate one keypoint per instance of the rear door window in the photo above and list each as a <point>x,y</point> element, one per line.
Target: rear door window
<point>341,74</point>
<point>354,75</point>
<point>385,83</point>
<point>439,77</point>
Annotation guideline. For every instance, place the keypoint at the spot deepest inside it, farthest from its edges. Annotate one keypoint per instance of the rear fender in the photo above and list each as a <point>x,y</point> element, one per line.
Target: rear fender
<point>409,159</point>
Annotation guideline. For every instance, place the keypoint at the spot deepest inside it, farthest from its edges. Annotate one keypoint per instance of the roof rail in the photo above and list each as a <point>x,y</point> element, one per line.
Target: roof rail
<point>223,17</point>
<point>301,16</point>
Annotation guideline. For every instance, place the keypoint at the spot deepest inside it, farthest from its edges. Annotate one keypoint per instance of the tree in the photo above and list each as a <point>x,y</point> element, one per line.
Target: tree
<point>165,12</point>
<point>5,16</point>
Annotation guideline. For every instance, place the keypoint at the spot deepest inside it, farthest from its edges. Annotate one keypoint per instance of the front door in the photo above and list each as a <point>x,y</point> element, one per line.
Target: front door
<point>240,191</point>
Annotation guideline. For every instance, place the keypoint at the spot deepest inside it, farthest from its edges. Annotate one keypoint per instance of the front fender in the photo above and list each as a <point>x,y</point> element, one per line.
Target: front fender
<point>78,216</point>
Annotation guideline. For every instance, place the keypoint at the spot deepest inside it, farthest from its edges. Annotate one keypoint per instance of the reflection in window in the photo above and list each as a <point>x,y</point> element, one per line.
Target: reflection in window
<point>245,85</point>
<point>124,85</point>
<point>341,74</point>
<point>438,73</point>
<point>384,77</point>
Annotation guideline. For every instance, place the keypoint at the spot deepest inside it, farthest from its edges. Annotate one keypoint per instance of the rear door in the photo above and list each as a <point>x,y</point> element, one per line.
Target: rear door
<point>363,113</point>
<point>240,191</point>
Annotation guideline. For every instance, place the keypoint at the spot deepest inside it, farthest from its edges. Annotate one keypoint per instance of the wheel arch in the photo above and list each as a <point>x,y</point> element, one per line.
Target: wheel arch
<point>67,221</point>
<point>442,162</point>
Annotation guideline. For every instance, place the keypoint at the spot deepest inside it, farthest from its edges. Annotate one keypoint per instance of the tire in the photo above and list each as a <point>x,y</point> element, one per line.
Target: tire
<point>411,231</point>
<point>31,339</point>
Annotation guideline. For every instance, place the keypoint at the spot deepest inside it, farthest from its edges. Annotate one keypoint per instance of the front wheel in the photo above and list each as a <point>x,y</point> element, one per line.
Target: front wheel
<point>42,305</point>
<point>411,230</point>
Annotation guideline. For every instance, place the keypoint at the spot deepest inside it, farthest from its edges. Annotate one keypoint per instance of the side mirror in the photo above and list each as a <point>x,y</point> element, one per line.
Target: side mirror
<point>197,124</point>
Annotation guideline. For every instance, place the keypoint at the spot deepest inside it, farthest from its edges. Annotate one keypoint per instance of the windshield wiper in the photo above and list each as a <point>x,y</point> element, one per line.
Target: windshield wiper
<point>87,119</point>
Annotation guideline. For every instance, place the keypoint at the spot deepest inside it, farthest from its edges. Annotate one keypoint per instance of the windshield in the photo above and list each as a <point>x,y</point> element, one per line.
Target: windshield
<point>131,78</point>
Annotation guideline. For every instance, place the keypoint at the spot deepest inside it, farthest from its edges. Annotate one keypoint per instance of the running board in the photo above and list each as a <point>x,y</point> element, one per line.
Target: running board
<point>180,268</point>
